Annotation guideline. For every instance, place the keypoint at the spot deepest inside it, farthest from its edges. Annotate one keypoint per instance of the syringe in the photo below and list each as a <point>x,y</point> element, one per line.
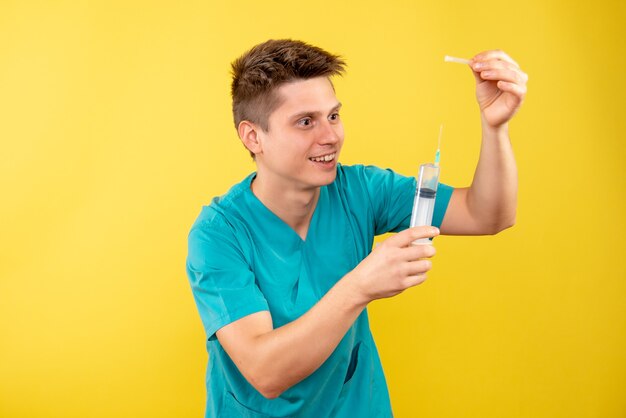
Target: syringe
<point>425,194</point>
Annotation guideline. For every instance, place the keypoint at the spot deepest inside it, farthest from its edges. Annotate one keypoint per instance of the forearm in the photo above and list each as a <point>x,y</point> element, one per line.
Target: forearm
<point>287,355</point>
<point>492,197</point>
<point>273,360</point>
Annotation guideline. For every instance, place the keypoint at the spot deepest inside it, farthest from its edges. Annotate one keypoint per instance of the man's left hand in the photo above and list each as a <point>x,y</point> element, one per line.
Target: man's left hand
<point>500,86</point>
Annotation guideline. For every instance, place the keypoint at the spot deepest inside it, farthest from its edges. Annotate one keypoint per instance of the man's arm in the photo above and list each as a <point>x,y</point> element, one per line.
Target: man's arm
<point>273,360</point>
<point>489,205</point>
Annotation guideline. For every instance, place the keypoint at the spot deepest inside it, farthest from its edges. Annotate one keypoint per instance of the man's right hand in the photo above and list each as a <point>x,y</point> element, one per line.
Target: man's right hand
<point>394,265</point>
<point>274,359</point>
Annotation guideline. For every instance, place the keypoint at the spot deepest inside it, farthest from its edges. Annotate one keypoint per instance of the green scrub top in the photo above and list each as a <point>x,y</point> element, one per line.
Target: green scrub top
<point>244,259</point>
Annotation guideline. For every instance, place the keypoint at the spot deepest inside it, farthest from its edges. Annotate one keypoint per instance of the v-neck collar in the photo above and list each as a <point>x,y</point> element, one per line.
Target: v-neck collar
<point>291,233</point>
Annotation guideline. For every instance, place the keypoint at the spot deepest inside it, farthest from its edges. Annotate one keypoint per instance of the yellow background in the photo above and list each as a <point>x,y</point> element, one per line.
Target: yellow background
<point>116,128</point>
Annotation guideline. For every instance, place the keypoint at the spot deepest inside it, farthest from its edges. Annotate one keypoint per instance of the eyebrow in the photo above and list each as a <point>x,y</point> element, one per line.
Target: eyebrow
<point>311,113</point>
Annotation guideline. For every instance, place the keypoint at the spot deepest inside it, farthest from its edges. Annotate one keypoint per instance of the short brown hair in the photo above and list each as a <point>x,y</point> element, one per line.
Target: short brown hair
<point>260,71</point>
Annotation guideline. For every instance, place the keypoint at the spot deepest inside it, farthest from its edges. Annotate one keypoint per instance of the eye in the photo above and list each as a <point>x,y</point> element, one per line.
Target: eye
<point>334,117</point>
<point>305,122</point>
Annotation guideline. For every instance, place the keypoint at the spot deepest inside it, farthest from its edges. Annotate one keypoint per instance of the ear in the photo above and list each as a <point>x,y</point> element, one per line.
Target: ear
<point>249,135</point>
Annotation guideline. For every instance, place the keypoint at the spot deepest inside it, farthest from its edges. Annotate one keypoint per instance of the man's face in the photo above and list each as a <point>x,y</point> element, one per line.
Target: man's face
<point>305,136</point>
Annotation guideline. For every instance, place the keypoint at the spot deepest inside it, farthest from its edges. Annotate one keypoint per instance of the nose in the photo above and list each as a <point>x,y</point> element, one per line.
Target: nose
<point>330,133</point>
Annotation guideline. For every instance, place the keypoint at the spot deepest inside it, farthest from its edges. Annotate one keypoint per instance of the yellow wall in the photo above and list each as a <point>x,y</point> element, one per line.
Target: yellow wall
<point>115,128</point>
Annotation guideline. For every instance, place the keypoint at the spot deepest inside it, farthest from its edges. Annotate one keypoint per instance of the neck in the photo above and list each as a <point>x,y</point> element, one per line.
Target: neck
<point>294,206</point>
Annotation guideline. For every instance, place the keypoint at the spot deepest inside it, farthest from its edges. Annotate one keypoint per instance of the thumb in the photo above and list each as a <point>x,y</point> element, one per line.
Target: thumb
<point>476,74</point>
<point>406,237</point>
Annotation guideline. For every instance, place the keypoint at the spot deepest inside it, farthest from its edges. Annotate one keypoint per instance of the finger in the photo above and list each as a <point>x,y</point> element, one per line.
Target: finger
<point>515,89</point>
<point>416,252</point>
<point>406,237</point>
<point>414,280</point>
<point>414,268</point>
<point>479,66</point>
<point>494,54</point>
<point>511,76</point>
<point>493,64</point>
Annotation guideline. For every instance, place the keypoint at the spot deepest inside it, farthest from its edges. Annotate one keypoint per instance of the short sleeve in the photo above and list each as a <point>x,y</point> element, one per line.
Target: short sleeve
<point>221,279</point>
<point>444,193</point>
<point>392,194</point>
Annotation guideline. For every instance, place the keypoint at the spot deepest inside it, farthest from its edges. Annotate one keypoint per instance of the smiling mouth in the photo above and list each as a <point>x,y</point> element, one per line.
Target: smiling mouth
<point>324,158</point>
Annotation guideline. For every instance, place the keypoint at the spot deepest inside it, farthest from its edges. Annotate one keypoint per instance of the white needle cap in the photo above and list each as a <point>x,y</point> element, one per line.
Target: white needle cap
<point>448,58</point>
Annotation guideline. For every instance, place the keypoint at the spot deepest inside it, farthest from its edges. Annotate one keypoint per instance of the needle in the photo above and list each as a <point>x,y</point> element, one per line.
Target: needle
<point>438,145</point>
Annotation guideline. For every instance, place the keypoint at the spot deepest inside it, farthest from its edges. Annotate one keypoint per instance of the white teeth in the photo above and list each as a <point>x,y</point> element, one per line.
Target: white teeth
<point>323,158</point>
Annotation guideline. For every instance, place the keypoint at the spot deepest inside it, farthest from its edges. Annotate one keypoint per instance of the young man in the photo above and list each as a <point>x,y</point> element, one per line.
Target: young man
<point>281,266</point>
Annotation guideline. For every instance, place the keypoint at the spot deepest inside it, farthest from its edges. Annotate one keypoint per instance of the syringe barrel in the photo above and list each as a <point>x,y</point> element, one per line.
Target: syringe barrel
<point>425,194</point>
